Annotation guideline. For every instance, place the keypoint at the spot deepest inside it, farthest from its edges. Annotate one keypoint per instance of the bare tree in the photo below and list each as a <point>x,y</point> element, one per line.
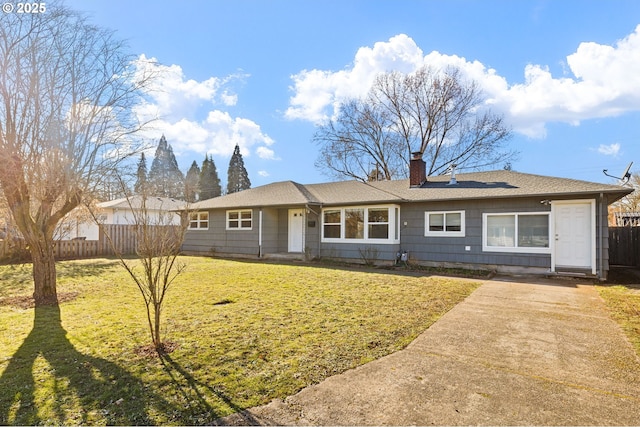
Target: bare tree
<point>359,144</point>
<point>158,243</point>
<point>434,112</point>
<point>66,92</point>
<point>630,202</point>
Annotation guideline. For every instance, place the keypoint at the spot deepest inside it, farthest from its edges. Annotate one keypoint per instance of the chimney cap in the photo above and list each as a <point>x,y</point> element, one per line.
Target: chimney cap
<point>416,155</point>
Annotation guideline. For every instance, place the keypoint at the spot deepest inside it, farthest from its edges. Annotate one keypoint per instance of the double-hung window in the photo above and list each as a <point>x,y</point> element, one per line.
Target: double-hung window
<point>240,220</point>
<point>372,224</point>
<point>445,224</point>
<point>199,221</point>
<point>516,232</point>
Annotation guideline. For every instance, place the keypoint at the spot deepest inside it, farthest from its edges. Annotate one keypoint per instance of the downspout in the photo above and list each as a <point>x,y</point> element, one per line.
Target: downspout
<point>260,234</point>
<point>601,275</point>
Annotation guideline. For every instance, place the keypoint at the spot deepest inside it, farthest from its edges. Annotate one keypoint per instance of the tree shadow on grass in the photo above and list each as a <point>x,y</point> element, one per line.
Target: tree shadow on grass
<point>81,389</point>
<point>195,392</point>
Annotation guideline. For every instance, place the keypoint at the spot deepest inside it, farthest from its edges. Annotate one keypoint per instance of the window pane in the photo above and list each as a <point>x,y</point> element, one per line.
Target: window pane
<point>245,215</point>
<point>204,224</point>
<point>332,217</point>
<point>436,222</point>
<point>533,231</point>
<point>501,230</point>
<point>454,221</point>
<point>379,215</point>
<point>354,223</point>
<point>378,231</point>
<point>233,224</point>
<point>233,215</point>
<point>332,231</point>
<point>246,224</point>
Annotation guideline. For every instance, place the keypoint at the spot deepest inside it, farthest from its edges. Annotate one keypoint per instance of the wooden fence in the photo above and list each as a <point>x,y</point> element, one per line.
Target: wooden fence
<point>123,237</point>
<point>624,246</point>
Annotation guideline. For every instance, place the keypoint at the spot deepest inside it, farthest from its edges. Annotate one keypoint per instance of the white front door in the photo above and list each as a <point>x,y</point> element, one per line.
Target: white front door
<point>296,230</point>
<point>574,234</point>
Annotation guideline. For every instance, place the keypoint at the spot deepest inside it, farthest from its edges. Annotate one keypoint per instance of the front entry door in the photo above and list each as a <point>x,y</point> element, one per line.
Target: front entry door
<point>574,235</point>
<point>296,230</point>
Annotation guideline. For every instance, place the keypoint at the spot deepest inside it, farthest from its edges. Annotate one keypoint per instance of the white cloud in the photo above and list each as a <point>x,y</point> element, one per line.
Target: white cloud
<point>263,174</point>
<point>315,90</point>
<point>609,150</point>
<point>266,153</point>
<point>599,81</point>
<point>185,112</point>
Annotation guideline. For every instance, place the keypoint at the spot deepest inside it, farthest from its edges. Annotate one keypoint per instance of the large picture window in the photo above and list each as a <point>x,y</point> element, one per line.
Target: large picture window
<point>239,220</point>
<point>373,224</point>
<point>199,221</point>
<point>516,232</point>
<point>446,224</point>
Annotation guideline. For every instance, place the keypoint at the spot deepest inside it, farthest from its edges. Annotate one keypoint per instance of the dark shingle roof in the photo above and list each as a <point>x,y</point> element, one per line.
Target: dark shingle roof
<point>478,185</point>
<point>497,184</point>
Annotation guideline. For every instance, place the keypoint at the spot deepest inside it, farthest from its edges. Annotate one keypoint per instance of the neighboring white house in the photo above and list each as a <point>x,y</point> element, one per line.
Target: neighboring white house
<point>80,225</point>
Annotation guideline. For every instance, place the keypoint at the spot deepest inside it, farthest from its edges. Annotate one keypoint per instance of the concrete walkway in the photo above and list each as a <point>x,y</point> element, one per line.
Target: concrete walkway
<point>544,353</point>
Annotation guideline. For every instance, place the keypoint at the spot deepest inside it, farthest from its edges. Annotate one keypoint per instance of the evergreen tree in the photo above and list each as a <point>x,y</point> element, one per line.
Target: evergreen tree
<point>141,176</point>
<point>192,183</point>
<point>209,181</point>
<point>165,178</point>
<point>237,178</point>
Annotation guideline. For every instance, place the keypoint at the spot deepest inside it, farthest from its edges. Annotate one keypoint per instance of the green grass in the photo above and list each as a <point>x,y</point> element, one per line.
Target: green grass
<point>623,301</point>
<point>246,333</point>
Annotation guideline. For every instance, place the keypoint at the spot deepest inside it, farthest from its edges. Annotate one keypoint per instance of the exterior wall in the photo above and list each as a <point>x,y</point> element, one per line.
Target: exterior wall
<point>312,232</point>
<point>360,252</point>
<point>602,238</point>
<point>217,239</point>
<point>467,249</point>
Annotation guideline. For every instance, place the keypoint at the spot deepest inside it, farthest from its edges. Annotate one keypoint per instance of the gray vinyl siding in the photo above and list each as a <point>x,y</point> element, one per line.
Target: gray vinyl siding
<point>357,252</point>
<point>435,250</point>
<point>312,233</point>
<point>275,234</point>
<point>428,250</point>
<point>217,239</point>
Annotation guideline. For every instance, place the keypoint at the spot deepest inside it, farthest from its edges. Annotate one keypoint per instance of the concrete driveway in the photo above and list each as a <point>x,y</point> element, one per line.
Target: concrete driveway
<point>543,353</point>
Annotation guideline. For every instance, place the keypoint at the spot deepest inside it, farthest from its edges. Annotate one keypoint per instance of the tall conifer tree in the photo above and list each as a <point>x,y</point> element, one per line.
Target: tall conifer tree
<point>237,176</point>
<point>209,181</point>
<point>141,176</point>
<point>192,183</point>
<point>165,178</point>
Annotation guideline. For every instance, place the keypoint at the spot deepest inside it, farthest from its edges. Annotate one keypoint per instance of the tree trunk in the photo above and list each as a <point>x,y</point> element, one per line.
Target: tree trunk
<point>44,273</point>
<point>156,337</point>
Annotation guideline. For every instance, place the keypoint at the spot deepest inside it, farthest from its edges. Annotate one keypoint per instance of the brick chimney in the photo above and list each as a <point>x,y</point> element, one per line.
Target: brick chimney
<point>417,170</point>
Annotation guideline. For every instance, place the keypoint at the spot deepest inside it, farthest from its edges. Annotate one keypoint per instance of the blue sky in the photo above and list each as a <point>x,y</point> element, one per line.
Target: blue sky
<point>262,73</point>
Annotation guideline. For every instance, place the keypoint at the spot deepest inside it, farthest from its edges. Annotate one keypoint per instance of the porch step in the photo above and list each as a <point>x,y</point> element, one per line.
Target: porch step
<point>285,256</point>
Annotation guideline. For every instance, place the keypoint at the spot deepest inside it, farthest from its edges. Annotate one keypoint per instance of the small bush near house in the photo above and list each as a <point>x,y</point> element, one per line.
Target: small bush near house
<point>243,333</point>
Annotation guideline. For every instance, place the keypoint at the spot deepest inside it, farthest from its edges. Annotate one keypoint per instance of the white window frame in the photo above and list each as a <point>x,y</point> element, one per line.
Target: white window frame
<point>515,248</point>
<point>200,219</point>
<point>392,225</point>
<point>239,219</point>
<point>444,232</point>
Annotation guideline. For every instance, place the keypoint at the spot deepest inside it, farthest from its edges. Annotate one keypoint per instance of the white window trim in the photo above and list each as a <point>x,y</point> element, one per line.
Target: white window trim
<point>239,227</point>
<point>199,220</point>
<point>392,224</point>
<point>516,249</point>
<point>444,233</point>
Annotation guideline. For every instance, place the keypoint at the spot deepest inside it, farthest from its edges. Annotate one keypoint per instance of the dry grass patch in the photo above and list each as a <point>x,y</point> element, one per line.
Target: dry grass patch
<point>244,333</point>
<point>622,296</point>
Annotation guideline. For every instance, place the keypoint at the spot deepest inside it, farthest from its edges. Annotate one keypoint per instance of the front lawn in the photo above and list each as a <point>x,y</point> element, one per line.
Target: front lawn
<point>245,333</point>
<point>622,296</point>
